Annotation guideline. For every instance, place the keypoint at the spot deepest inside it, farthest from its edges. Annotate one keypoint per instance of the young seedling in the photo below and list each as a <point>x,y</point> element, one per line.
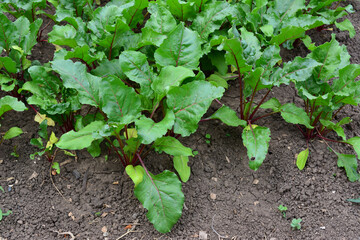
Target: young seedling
<point>4,214</point>
<point>208,137</point>
<point>283,210</point>
<point>295,223</point>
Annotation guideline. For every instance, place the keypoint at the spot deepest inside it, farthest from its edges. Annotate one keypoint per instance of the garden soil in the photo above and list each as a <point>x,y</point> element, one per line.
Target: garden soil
<point>224,198</point>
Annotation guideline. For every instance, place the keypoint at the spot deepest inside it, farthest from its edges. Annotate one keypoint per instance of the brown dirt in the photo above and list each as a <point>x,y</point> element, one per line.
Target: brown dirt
<point>246,201</point>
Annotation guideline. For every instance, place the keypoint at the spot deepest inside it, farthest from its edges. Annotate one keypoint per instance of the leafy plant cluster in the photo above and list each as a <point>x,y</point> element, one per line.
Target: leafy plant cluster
<point>134,76</point>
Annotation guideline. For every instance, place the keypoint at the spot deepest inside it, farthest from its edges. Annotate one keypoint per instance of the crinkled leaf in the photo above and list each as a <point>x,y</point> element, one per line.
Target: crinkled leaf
<point>161,195</point>
<point>256,140</point>
<point>133,14</point>
<point>183,10</point>
<point>300,69</point>
<point>45,87</point>
<point>181,166</point>
<point>169,78</point>
<point>196,98</point>
<point>149,131</point>
<point>302,158</point>
<point>349,162</point>
<point>172,146</point>
<point>160,23</point>
<point>332,57</point>
<point>84,53</point>
<point>107,68</point>
<point>79,140</point>
<point>75,75</point>
<point>228,116</point>
<point>293,114</point>
<point>211,19</point>
<point>136,68</point>
<point>120,102</point>
<point>63,35</point>
<point>7,32</point>
<point>181,48</point>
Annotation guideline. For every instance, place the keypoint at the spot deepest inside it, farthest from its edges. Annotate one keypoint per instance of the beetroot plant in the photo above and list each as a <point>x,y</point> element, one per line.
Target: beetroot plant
<point>330,87</point>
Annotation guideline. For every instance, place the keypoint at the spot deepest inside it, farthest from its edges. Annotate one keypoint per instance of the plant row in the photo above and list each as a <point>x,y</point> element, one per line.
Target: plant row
<point>134,76</point>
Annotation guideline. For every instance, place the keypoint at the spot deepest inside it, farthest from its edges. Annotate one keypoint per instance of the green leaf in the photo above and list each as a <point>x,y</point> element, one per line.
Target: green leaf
<point>181,9</point>
<point>161,195</point>
<point>12,132</point>
<point>8,64</point>
<point>211,19</point>
<point>120,102</point>
<point>171,146</point>
<point>218,81</point>
<point>2,189</point>
<point>354,200</point>
<point>267,29</point>
<point>63,35</point>
<point>272,103</point>
<point>56,166</point>
<point>95,149</point>
<point>332,57</point>
<point>302,158</point>
<point>256,140</point>
<point>107,68</point>
<point>84,53</point>
<point>136,68</point>
<point>234,54</point>
<point>349,162</point>
<point>135,173</point>
<point>295,115</point>
<point>196,99</point>
<point>287,33</point>
<point>79,140</point>
<point>355,142</point>
<point>181,166</point>
<point>160,23</point>
<point>149,131</point>
<point>300,69</point>
<point>228,116</point>
<point>75,75</point>
<point>37,142</point>
<point>346,25</point>
<point>7,32</point>
<point>8,103</point>
<point>169,78</point>
<point>181,48</point>
<point>133,14</point>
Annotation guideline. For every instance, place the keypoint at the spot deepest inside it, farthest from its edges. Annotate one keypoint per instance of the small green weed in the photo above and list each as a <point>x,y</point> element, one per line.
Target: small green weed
<point>282,209</point>
<point>208,137</point>
<point>4,214</point>
<point>295,223</point>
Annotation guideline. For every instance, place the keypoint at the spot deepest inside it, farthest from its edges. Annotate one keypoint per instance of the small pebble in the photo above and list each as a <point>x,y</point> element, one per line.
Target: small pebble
<point>203,235</point>
<point>213,196</point>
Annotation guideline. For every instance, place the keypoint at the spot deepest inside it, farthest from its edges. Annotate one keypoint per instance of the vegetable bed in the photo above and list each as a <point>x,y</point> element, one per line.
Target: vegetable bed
<point>186,155</point>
